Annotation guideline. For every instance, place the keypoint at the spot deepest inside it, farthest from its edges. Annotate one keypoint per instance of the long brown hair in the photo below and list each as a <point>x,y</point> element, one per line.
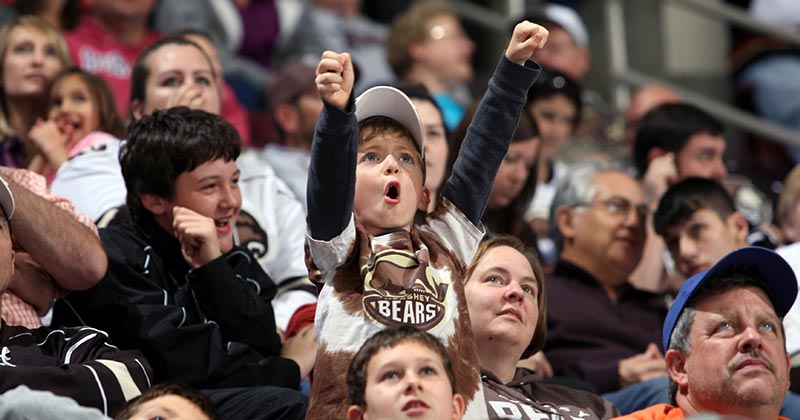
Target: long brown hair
<point>108,118</point>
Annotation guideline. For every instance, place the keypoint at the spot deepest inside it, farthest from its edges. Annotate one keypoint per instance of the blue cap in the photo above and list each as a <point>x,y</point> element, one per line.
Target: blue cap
<point>778,276</point>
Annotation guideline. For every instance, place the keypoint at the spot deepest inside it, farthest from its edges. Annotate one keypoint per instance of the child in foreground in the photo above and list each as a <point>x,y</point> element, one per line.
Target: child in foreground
<point>403,372</point>
<point>366,184</point>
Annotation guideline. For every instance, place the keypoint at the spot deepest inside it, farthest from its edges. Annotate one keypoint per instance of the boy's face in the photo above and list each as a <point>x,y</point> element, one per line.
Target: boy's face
<point>408,381</point>
<point>702,240</point>
<point>389,185</point>
<point>701,157</point>
<point>212,190</point>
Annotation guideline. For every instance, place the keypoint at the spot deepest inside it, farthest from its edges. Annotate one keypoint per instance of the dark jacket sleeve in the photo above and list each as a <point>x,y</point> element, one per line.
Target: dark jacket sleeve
<point>488,137</point>
<point>181,342</point>
<point>78,363</point>
<point>332,172</point>
<point>234,292</point>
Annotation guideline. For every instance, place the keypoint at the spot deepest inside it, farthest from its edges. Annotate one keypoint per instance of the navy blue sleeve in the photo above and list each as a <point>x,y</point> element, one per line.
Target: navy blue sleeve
<point>488,137</point>
<point>332,172</point>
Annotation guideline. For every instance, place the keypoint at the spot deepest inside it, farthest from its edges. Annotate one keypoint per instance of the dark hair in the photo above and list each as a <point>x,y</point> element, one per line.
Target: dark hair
<point>167,143</point>
<point>733,277</point>
<point>108,118</point>
<point>540,333</point>
<point>688,196</point>
<point>190,394</point>
<point>69,17</point>
<point>141,72</point>
<point>551,83</point>
<point>669,127</point>
<point>389,338</point>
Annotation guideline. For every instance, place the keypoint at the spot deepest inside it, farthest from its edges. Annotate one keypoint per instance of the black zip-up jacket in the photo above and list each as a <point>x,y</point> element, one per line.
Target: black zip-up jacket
<point>210,327</point>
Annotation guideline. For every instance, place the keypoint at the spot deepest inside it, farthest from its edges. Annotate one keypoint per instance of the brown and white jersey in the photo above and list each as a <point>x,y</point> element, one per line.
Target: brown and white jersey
<point>401,277</point>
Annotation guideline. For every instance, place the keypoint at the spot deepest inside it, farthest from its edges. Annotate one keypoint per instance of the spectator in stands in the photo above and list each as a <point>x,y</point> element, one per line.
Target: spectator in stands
<point>428,46</point>
<point>643,100</point>
<point>673,141</point>
<point>505,294</point>
<point>699,224</point>
<point>80,115</point>
<point>515,182</point>
<point>31,52</point>
<point>169,401</point>
<point>175,71</point>
<point>403,372</point>
<point>726,346</point>
<point>295,106</point>
<point>107,41</point>
<point>199,307</point>
<point>787,210</point>
<point>434,139</point>
<point>232,110</point>
<point>554,101</point>
<point>598,217</point>
<point>341,26</point>
<point>79,363</point>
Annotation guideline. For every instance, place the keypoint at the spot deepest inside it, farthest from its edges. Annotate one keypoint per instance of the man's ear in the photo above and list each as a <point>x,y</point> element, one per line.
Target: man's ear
<point>424,199</point>
<point>13,258</point>
<point>137,109</point>
<point>654,153</point>
<point>155,204</point>
<point>417,51</point>
<point>583,62</point>
<point>565,221</point>
<point>676,367</point>
<point>740,228</point>
<point>459,406</point>
<point>287,117</point>
<point>355,412</point>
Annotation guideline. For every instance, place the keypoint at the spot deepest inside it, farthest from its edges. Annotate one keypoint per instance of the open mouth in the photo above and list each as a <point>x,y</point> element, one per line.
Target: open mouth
<point>392,193</point>
<point>222,224</point>
<point>415,406</point>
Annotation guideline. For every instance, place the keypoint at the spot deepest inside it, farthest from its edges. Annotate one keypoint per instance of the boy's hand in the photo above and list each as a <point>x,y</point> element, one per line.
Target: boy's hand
<point>197,235</point>
<point>526,39</point>
<point>335,78</point>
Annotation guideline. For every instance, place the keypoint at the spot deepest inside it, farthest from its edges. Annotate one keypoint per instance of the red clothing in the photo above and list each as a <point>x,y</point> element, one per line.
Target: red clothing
<point>233,112</point>
<point>94,49</point>
<point>660,412</point>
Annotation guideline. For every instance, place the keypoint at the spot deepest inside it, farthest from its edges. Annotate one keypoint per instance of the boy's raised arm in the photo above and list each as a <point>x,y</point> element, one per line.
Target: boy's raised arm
<point>331,174</point>
<point>493,125</point>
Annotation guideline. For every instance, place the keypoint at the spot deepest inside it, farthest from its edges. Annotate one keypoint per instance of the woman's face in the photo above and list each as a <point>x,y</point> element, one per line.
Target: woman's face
<point>180,75</point>
<point>435,143</point>
<point>502,297</point>
<point>513,173</point>
<point>30,61</point>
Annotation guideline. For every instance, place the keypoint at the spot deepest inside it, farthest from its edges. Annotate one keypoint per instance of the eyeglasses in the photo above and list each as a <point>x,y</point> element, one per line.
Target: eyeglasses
<point>620,207</point>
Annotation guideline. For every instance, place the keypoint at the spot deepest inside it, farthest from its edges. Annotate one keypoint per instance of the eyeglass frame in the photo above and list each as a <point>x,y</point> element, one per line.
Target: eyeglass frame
<point>622,207</point>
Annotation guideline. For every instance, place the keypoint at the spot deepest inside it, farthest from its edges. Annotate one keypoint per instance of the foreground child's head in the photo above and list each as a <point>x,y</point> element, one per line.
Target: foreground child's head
<point>169,401</point>
<point>402,372</point>
<point>390,170</point>
<point>187,158</point>
<point>81,102</point>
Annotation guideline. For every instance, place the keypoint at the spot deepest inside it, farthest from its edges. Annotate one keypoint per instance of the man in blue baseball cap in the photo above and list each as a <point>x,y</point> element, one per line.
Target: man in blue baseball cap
<point>726,348</point>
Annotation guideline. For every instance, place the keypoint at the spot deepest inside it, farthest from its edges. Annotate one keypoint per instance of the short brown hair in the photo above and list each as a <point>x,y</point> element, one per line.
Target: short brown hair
<point>540,333</point>
<point>373,127</point>
<point>409,28</point>
<point>387,339</point>
<point>789,198</point>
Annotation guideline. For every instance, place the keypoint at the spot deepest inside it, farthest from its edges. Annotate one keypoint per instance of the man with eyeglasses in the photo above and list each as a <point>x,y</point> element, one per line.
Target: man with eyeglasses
<point>601,329</point>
